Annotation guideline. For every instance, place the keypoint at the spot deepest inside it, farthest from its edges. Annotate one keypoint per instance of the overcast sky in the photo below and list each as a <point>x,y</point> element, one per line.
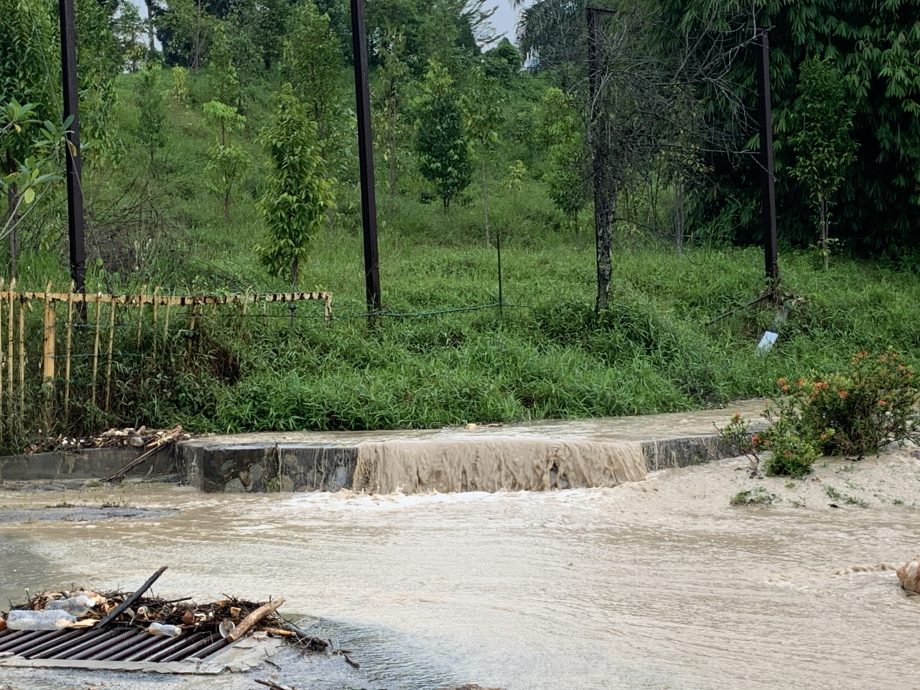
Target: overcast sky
<point>505,19</point>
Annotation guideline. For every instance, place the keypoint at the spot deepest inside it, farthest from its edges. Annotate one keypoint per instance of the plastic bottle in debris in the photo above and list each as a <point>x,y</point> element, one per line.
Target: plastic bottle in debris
<point>164,630</point>
<point>39,620</point>
<point>75,606</point>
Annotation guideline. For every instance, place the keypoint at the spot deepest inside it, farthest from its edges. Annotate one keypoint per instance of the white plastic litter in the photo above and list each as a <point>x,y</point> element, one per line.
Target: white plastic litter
<point>75,606</point>
<point>39,620</point>
<point>164,630</point>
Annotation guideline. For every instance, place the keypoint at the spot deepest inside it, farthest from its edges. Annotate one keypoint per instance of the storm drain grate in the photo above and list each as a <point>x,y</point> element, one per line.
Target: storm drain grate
<point>113,644</point>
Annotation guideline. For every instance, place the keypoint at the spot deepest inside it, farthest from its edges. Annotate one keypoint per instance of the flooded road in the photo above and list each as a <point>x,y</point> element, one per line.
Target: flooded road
<point>657,584</point>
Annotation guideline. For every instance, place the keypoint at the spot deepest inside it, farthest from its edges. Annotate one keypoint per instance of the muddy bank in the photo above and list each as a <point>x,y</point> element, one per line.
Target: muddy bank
<point>657,583</point>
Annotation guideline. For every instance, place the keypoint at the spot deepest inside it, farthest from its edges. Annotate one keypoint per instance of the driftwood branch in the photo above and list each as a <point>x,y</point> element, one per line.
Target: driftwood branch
<point>272,685</point>
<point>253,618</point>
<point>130,600</point>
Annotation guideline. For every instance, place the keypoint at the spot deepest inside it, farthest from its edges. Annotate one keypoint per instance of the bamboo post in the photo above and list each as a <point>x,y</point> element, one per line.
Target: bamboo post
<point>9,342</point>
<point>96,343</point>
<point>50,322</point>
<point>154,327</point>
<point>166,325</point>
<point>1,357</point>
<point>108,367</point>
<point>68,349</point>
<point>140,314</point>
<point>22,360</point>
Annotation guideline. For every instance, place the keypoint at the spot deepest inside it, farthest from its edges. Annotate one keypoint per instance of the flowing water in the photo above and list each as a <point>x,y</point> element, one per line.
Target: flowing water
<point>657,583</point>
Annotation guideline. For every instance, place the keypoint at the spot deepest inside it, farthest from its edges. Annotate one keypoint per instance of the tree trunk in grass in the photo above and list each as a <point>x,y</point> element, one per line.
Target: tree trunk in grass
<point>603,218</point>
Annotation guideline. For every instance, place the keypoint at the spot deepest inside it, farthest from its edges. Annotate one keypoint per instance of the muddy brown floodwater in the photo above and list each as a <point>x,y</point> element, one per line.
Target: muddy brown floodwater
<point>654,584</point>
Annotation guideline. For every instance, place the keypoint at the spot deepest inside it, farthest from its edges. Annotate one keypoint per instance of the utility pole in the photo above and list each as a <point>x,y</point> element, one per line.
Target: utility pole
<point>74,167</point>
<point>366,158</point>
<point>600,143</point>
<point>768,208</point>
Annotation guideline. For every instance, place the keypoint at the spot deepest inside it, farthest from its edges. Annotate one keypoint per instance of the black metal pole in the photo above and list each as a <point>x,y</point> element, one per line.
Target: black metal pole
<point>366,157</point>
<point>74,165</point>
<point>765,110</point>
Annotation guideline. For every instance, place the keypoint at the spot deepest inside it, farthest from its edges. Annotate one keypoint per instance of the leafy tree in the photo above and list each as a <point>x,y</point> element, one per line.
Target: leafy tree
<point>227,162</point>
<point>26,76</point>
<point>297,195</point>
<point>32,176</point>
<point>131,32</point>
<point>311,62</point>
<point>875,46</point>
<point>226,79</point>
<point>823,143</point>
<point>503,62</point>
<point>560,131</point>
<point>151,106</point>
<point>484,115</point>
<point>185,29</point>
<point>441,143</point>
<point>394,73</point>
<point>179,90</point>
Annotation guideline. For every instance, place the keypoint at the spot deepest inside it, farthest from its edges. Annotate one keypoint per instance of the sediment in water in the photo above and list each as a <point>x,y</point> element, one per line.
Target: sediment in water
<point>495,464</point>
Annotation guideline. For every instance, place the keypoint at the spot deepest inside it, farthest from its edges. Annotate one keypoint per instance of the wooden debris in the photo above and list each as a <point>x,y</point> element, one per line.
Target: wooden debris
<point>133,598</point>
<point>253,618</point>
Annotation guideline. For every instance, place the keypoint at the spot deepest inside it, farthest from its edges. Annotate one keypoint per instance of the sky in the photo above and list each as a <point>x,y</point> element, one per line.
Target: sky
<point>505,19</point>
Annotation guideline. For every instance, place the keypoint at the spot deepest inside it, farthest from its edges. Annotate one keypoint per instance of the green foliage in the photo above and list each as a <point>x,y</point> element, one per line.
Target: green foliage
<point>310,62</point>
<point>223,70</point>
<point>131,33</point>
<point>179,90</point>
<point>561,133</point>
<point>872,404</point>
<point>297,195</point>
<point>749,497</point>
<point>503,62</point>
<point>27,74</point>
<point>150,100</point>
<point>822,142</point>
<point>442,145</point>
<point>390,126</point>
<point>875,47</point>
<point>32,176</point>
<point>226,162</point>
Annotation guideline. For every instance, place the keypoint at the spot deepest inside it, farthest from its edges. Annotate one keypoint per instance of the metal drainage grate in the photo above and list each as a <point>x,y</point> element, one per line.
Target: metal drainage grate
<point>109,645</point>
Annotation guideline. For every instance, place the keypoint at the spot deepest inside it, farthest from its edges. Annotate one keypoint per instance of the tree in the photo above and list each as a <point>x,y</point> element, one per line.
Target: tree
<point>34,175</point>
<point>151,106</point>
<point>179,90</point>
<point>441,143</point>
<point>823,144</point>
<point>226,161</point>
<point>131,30</point>
<point>560,131</point>
<point>875,46</point>
<point>394,72</point>
<point>223,71</point>
<point>28,77</point>
<point>297,194</point>
<point>311,62</point>
<point>484,115</point>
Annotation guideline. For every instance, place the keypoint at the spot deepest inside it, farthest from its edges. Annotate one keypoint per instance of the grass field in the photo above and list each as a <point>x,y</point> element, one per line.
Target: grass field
<point>444,354</point>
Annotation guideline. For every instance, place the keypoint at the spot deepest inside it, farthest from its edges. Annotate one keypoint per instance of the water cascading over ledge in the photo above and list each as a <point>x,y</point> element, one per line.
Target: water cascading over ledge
<point>494,464</point>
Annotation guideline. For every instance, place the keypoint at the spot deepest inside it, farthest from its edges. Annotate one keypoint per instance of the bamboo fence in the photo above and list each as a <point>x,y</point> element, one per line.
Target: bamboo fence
<point>98,313</point>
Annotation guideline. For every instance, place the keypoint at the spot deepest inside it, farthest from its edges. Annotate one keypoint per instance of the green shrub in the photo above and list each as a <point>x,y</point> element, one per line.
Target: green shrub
<point>851,414</point>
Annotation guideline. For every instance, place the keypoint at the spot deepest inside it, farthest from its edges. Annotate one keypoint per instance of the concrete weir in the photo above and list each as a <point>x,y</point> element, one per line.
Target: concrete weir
<point>539,456</point>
